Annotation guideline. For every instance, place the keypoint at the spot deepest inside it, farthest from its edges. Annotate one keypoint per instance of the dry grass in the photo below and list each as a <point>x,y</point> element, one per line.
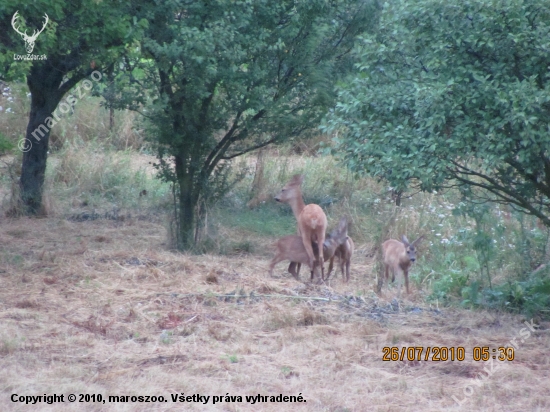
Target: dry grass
<point>102,308</point>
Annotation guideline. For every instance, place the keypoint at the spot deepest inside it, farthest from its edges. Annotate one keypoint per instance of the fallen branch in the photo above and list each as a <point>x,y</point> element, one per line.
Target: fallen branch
<point>252,295</point>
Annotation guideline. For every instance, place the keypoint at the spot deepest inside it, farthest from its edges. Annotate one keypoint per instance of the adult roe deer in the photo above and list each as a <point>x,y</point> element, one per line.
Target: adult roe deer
<point>344,252</point>
<point>292,248</point>
<point>399,256</point>
<point>312,221</point>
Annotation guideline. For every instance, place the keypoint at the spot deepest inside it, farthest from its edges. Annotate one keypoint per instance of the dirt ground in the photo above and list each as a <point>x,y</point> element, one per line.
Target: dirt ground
<point>103,308</point>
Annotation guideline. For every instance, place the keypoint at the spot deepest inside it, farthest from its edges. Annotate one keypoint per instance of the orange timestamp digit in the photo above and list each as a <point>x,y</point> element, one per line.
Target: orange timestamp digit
<point>418,353</point>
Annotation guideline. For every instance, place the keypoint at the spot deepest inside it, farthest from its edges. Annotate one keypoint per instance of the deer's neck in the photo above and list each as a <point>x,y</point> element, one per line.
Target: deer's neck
<point>405,263</point>
<point>297,205</point>
<point>329,247</point>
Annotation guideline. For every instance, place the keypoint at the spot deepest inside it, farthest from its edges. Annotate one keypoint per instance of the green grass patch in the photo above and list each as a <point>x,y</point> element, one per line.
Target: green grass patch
<point>269,221</point>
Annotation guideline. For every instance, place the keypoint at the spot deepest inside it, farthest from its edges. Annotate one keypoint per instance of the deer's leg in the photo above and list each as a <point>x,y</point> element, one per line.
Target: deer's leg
<point>330,267</point>
<point>309,249</point>
<point>315,271</point>
<point>348,264</point>
<point>292,270</point>
<point>400,283</point>
<point>406,275</point>
<point>320,242</point>
<point>292,267</point>
<point>273,262</point>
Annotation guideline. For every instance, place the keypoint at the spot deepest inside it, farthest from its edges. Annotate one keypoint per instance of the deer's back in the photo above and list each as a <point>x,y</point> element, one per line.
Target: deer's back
<point>292,248</point>
<point>312,216</point>
<point>393,251</point>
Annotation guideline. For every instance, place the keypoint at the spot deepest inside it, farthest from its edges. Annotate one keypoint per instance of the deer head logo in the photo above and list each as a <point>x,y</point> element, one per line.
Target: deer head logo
<point>29,40</point>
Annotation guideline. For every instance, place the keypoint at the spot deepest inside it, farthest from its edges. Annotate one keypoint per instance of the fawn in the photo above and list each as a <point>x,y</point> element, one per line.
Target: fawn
<point>399,256</point>
<point>292,248</point>
<point>344,252</point>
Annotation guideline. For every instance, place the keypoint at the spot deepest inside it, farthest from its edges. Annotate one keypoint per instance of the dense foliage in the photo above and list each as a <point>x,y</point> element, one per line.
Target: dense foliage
<point>219,79</point>
<point>454,93</point>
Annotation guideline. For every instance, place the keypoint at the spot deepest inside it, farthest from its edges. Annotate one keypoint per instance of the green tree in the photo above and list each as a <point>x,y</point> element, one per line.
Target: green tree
<point>454,94</point>
<point>79,37</point>
<point>222,78</point>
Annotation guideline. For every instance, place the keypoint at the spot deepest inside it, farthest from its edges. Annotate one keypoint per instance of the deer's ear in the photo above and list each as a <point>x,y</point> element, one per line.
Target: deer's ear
<point>405,240</point>
<point>297,179</point>
<point>418,240</point>
<point>343,223</point>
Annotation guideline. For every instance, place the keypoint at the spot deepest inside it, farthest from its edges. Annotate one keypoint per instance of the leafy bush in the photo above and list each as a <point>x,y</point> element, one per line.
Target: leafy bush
<point>530,297</point>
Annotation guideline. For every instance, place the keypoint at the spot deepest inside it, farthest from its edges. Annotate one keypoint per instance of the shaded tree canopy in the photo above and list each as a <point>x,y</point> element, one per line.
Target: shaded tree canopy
<point>80,37</point>
<point>454,94</point>
<point>219,79</point>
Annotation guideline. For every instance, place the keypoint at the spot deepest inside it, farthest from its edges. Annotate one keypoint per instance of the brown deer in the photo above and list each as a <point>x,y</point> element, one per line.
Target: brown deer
<point>312,221</point>
<point>292,248</point>
<point>399,256</point>
<point>344,252</point>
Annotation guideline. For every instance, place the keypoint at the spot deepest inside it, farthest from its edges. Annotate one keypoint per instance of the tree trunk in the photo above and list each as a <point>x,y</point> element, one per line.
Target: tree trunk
<point>201,223</point>
<point>187,205</point>
<point>47,87</point>
<point>34,164</point>
<point>258,183</point>
<point>44,100</point>
<point>112,120</point>
<point>186,220</point>
<point>398,195</point>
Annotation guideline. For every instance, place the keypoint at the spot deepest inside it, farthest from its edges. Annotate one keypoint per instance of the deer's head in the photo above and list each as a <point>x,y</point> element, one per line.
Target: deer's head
<point>410,248</point>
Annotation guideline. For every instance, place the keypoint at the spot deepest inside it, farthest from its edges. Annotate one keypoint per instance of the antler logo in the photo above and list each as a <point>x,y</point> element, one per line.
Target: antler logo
<point>29,40</point>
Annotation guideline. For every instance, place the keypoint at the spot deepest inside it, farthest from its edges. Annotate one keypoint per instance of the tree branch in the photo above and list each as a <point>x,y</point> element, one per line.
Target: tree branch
<point>69,84</point>
<point>250,149</point>
<point>533,178</point>
<point>215,154</point>
<point>498,190</point>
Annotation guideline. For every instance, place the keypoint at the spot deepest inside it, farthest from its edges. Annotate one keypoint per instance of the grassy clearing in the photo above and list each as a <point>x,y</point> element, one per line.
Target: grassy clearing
<point>477,256</point>
<point>473,256</point>
<point>94,302</point>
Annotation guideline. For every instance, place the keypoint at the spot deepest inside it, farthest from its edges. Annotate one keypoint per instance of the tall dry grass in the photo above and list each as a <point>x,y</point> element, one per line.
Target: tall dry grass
<point>88,121</point>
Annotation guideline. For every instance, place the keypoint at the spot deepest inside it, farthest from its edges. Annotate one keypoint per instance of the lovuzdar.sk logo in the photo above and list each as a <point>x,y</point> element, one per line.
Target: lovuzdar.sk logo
<point>29,40</point>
